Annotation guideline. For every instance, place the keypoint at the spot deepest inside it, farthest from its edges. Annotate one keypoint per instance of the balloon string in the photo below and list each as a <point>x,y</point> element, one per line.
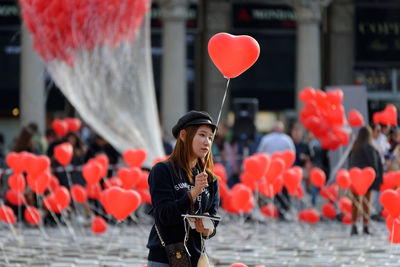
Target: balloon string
<point>342,159</point>
<point>219,116</point>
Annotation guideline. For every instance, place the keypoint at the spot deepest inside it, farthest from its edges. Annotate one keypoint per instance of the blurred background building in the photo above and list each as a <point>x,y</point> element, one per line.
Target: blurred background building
<point>316,43</point>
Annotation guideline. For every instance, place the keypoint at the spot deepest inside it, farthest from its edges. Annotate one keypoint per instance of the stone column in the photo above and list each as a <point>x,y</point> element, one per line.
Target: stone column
<point>173,75</point>
<point>32,98</point>
<point>341,42</point>
<point>308,59</point>
<point>217,20</point>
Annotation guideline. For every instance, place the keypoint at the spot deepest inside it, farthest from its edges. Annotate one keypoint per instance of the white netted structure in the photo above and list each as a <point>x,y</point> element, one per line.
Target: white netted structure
<point>111,86</point>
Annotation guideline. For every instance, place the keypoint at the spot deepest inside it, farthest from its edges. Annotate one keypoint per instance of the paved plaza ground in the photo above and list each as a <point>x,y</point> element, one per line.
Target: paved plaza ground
<point>270,243</point>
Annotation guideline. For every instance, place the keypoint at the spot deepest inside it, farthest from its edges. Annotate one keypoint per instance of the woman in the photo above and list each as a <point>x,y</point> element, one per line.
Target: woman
<point>179,186</point>
<point>364,154</point>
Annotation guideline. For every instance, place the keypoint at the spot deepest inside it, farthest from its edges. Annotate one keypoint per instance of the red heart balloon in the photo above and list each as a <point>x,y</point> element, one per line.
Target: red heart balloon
<point>355,118</point>
<point>335,96</point>
<point>78,193</point>
<point>40,183</point>
<point>254,165</point>
<point>73,124</point>
<point>121,202</point>
<point>308,215</point>
<point>36,165</point>
<point>292,179</point>
<point>299,192</point>
<point>98,225</point>
<point>289,157</point>
<point>14,161</point>
<point>17,182</point>
<point>391,114</point>
<point>270,211</point>
<point>220,171</point>
<point>276,168</point>
<point>7,215</point>
<point>62,197</point>
<point>104,202</point>
<point>15,198</point>
<point>329,210</point>
<point>145,195</point>
<point>318,177</point>
<point>307,94</point>
<point>32,215</point>
<point>60,127</point>
<point>113,181</point>
<point>144,180</point>
<point>248,180</point>
<point>129,177</point>
<point>49,202</point>
<point>92,172</point>
<point>233,55</point>
<point>346,219</point>
<point>345,205</point>
<point>330,192</point>
<point>104,162</point>
<point>238,265</point>
<point>63,153</point>
<point>241,195</point>
<point>93,191</point>
<point>54,183</point>
<point>361,180</point>
<point>390,200</point>
<point>270,190</point>
<point>343,179</point>
<point>134,158</point>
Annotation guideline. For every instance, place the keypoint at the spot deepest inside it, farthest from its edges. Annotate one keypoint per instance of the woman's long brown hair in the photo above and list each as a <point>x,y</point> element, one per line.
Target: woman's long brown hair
<point>182,153</point>
<point>364,136</point>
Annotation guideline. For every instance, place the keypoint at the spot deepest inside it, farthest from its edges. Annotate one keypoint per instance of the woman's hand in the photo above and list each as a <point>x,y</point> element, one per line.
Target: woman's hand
<point>200,228</point>
<point>199,183</point>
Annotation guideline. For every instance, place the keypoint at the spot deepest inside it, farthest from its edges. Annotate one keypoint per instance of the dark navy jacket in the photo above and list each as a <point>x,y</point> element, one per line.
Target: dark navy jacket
<point>170,199</point>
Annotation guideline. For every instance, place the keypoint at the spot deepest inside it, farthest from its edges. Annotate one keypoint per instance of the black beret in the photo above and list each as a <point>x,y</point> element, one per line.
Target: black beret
<point>193,117</point>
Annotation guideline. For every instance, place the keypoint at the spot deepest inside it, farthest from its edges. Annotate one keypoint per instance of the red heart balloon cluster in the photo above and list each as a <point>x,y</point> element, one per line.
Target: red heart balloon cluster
<point>323,115</point>
<point>64,126</point>
<point>61,28</point>
<point>387,116</point>
<point>232,54</point>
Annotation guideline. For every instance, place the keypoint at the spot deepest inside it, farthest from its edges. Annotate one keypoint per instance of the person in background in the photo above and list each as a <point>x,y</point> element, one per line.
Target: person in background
<point>380,141</point>
<point>100,146</point>
<point>39,140</point>
<point>318,158</point>
<point>276,141</point>
<point>363,154</point>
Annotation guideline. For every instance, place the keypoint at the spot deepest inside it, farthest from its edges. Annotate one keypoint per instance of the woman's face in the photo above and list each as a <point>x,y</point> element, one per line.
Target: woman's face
<point>201,144</point>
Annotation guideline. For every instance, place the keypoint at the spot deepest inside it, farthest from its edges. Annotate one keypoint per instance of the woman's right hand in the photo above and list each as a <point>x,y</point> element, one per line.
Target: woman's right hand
<point>199,183</point>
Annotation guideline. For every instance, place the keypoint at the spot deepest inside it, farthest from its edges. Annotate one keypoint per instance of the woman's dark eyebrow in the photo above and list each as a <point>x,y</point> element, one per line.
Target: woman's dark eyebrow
<point>204,131</point>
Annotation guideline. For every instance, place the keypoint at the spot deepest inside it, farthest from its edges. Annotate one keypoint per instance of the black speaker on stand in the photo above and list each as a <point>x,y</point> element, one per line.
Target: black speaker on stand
<point>244,128</point>
<point>245,110</point>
